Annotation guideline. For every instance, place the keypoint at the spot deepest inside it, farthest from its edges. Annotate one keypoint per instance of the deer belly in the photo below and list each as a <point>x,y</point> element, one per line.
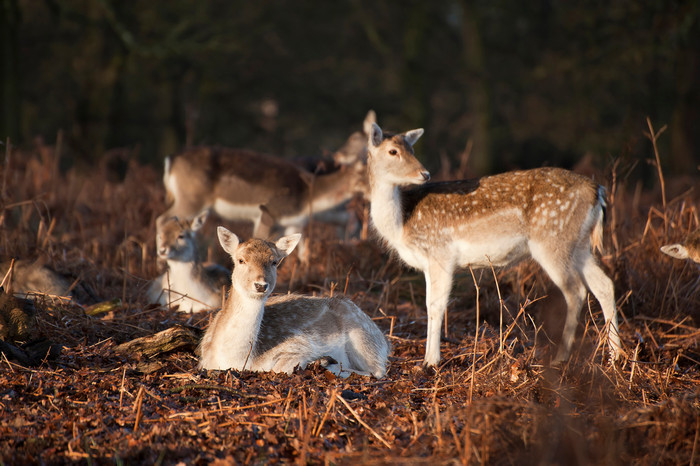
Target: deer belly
<point>293,220</point>
<point>498,251</point>
<point>233,211</point>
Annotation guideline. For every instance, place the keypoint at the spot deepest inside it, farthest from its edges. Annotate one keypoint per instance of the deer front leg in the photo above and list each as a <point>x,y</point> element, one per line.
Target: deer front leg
<point>262,226</point>
<point>438,284</point>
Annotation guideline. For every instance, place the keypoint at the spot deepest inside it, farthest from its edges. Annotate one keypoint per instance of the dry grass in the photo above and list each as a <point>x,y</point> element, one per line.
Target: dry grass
<point>493,400</point>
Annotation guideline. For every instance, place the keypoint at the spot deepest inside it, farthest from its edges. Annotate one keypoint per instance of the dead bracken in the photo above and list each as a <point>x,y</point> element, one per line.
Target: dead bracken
<point>492,399</point>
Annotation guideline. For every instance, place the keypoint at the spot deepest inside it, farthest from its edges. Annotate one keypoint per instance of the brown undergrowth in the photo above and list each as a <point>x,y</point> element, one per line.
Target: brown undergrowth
<point>494,399</point>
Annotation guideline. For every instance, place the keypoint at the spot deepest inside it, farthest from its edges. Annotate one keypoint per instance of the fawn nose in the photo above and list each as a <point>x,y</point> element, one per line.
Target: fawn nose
<point>425,174</point>
<point>261,287</point>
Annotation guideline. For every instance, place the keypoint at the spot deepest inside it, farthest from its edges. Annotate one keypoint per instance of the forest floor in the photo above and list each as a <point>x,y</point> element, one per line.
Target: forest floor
<point>494,398</point>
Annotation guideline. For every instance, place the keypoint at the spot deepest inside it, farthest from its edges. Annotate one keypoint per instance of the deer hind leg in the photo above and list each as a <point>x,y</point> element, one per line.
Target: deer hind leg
<point>367,353</point>
<point>438,284</point>
<point>602,288</point>
<point>563,273</point>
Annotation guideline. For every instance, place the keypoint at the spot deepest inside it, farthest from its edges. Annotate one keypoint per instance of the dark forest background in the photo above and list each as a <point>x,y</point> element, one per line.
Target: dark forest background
<point>528,83</point>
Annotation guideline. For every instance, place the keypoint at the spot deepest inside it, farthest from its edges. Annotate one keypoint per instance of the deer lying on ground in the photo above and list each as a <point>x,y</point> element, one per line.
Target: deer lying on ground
<point>551,215</point>
<point>257,332</point>
<point>28,277</point>
<point>186,282</point>
<point>688,249</point>
<point>269,191</point>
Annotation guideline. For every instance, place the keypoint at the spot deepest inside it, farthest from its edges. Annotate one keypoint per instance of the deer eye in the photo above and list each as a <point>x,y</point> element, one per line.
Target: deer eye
<point>275,263</point>
<point>393,152</point>
<point>241,261</point>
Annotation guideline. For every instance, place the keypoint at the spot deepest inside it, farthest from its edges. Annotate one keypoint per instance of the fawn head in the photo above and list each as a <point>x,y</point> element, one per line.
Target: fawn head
<point>391,157</point>
<point>255,262</point>
<point>175,238</point>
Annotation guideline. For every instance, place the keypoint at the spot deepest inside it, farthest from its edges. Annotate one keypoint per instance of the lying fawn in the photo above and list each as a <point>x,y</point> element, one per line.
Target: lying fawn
<point>268,191</point>
<point>186,283</point>
<point>260,333</point>
<point>688,249</point>
<point>28,277</point>
<point>549,214</point>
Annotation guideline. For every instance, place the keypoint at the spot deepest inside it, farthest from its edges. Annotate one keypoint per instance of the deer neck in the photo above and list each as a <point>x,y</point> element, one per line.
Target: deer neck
<point>237,329</point>
<point>182,272</point>
<point>385,211</point>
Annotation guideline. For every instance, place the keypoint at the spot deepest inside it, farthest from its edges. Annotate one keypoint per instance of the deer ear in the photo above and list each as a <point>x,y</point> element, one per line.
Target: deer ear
<point>286,244</point>
<point>413,135</point>
<point>199,221</point>
<point>375,135</point>
<point>675,250</point>
<point>229,241</point>
<point>370,119</point>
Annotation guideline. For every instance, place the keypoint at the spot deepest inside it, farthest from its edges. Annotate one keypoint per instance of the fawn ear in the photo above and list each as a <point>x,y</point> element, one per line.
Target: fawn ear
<point>199,220</point>
<point>229,241</point>
<point>370,119</point>
<point>675,250</point>
<point>286,244</point>
<point>413,135</point>
<point>375,135</point>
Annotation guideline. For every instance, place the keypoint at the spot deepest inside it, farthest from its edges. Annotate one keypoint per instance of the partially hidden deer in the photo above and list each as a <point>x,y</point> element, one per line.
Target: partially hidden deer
<point>186,283</point>
<point>271,192</point>
<point>257,332</point>
<point>25,277</point>
<point>689,248</point>
<point>551,215</point>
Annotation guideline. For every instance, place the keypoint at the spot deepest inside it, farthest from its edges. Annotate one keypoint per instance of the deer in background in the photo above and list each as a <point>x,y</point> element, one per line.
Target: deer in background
<point>271,192</point>
<point>186,283</point>
<point>551,215</point>
<point>257,332</point>
<point>24,277</point>
<point>688,249</point>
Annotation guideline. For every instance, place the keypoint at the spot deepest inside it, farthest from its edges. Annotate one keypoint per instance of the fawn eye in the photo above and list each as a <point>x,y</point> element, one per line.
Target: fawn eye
<point>393,152</point>
<point>241,261</point>
<point>275,263</point>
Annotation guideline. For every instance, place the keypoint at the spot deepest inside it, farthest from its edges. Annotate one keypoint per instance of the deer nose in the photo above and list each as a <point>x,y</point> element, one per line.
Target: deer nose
<point>261,287</point>
<point>425,175</point>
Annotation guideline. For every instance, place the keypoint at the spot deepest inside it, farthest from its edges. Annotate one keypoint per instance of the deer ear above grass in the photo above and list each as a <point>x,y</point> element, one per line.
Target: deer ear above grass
<point>375,135</point>
<point>370,119</point>
<point>229,241</point>
<point>286,244</point>
<point>199,220</point>
<point>675,250</point>
<point>413,135</point>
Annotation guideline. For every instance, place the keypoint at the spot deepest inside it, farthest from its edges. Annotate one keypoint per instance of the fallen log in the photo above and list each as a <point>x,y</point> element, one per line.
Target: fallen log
<point>179,337</point>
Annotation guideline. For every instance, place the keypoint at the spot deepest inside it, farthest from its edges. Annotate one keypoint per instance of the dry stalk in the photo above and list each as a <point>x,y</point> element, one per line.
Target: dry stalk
<point>653,137</point>
<point>476,337</point>
<point>363,423</point>
<point>500,300</point>
<point>331,402</point>
<point>137,407</point>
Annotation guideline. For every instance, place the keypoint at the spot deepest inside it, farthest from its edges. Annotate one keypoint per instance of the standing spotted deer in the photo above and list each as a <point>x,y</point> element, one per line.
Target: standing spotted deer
<point>687,249</point>
<point>268,191</point>
<point>549,214</point>
<point>186,283</point>
<point>260,333</point>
